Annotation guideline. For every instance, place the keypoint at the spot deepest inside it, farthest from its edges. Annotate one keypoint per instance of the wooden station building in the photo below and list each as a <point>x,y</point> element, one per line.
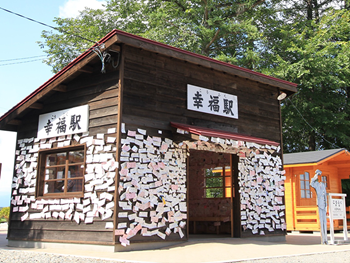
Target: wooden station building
<point>165,143</point>
<point>300,197</point>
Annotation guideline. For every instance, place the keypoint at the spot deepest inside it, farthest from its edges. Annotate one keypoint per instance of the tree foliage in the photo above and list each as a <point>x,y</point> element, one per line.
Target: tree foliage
<point>313,51</point>
<point>302,41</point>
<point>5,213</point>
<point>225,29</point>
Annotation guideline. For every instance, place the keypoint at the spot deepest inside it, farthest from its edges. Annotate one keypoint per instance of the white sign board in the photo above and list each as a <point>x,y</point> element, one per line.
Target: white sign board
<point>63,122</point>
<point>337,211</point>
<point>212,102</point>
<point>338,208</point>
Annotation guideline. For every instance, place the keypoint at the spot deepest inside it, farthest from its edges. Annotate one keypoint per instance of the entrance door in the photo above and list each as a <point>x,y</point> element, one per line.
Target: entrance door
<point>212,206</point>
<point>305,196</point>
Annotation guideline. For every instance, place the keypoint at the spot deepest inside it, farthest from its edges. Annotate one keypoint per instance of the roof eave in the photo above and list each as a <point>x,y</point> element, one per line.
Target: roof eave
<point>54,81</point>
<point>150,45</point>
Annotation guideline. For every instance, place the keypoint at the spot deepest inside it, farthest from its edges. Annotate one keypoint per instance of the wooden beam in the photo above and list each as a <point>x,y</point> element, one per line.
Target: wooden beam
<point>87,69</point>
<point>61,88</point>
<point>14,122</point>
<point>118,144</point>
<point>37,106</point>
<point>114,48</point>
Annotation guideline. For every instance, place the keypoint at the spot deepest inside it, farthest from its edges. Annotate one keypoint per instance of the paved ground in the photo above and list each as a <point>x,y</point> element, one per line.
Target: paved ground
<point>297,248</point>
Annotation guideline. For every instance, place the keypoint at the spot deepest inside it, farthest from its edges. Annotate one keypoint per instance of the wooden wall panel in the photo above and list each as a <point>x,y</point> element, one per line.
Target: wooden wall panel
<point>156,87</point>
<point>100,92</point>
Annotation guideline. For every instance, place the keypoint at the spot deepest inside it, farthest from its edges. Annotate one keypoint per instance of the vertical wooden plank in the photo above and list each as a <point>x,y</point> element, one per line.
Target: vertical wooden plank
<point>120,107</point>
<point>236,200</point>
<point>188,189</point>
<point>232,187</point>
<point>294,198</point>
<point>281,137</point>
<point>11,206</point>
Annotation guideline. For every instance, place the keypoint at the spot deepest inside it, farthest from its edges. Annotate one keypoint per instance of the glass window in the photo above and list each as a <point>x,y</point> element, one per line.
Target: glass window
<point>61,172</point>
<point>217,182</point>
<point>304,185</point>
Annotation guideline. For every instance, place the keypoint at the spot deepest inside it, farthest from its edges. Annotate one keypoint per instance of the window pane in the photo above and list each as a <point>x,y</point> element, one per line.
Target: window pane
<point>308,194</point>
<point>76,156</point>
<point>75,171</point>
<point>227,181</point>
<point>227,192</point>
<point>55,159</point>
<point>75,185</point>
<point>302,177</point>
<point>214,182</point>
<point>307,185</point>
<point>306,176</point>
<point>54,173</point>
<point>54,187</point>
<point>213,172</point>
<point>214,192</point>
<point>302,184</point>
<point>227,170</point>
<point>302,193</point>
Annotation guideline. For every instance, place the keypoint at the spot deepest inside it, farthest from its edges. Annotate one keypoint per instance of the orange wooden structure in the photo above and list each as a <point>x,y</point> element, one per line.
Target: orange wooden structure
<point>300,197</point>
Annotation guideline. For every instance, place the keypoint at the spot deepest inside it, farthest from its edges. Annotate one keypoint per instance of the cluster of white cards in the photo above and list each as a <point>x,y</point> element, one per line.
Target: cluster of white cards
<point>99,180</point>
<point>261,181</point>
<point>152,188</point>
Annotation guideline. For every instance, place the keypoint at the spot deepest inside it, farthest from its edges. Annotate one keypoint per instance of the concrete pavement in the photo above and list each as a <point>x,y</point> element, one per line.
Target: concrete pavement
<point>214,249</point>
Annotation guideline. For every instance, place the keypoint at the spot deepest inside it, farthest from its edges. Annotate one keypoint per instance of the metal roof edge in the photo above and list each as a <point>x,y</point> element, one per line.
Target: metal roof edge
<point>318,161</point>
<point>221,134</point>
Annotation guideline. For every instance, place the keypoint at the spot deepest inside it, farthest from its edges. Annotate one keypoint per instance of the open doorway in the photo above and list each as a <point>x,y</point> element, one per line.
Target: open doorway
<point>213,203</point>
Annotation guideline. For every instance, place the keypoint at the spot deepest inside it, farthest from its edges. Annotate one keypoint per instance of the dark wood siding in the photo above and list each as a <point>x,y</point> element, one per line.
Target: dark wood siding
<point>100,92</point>
<point>155,93</point>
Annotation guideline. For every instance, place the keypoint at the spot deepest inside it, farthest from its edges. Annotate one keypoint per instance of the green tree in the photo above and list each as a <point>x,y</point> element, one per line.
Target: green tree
<point>223,29</point>
<point>5,213</point>
<point>313,51</point>
<point>303,41</point>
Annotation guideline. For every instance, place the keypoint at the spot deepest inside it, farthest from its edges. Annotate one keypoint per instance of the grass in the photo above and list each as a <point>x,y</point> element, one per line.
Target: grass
<point>2,220</point>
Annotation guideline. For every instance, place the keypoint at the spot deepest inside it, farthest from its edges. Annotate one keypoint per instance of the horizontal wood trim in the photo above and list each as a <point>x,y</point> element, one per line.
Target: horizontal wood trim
<point>55,225</point>
<point>104,112</point>
<point>61,235</point>
<point>108,102</point>
<point>37,106</point>
<point>61,88</point>
<point>103,121</point>
<point>211,218</point>
<point>63,241</point>
<point>15,122</point>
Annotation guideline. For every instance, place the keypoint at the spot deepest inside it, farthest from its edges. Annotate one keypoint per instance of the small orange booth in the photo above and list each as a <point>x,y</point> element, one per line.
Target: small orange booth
<point>300,197</point>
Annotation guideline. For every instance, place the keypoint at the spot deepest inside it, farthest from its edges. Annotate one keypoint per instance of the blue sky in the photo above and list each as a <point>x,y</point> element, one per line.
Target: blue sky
<point>19,38</point>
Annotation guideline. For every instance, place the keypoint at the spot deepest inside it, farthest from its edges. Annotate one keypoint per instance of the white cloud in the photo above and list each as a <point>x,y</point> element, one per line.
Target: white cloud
<point>7,157</point>
<point>71,8</point>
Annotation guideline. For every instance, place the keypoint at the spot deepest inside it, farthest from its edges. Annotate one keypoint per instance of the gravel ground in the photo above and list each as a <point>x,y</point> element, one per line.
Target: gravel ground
<point>31,257</point>
<point>336,257</point>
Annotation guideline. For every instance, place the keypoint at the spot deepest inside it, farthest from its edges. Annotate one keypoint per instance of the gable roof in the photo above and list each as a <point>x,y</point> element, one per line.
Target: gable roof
<point>311,158</point>
<point>119,37</point>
